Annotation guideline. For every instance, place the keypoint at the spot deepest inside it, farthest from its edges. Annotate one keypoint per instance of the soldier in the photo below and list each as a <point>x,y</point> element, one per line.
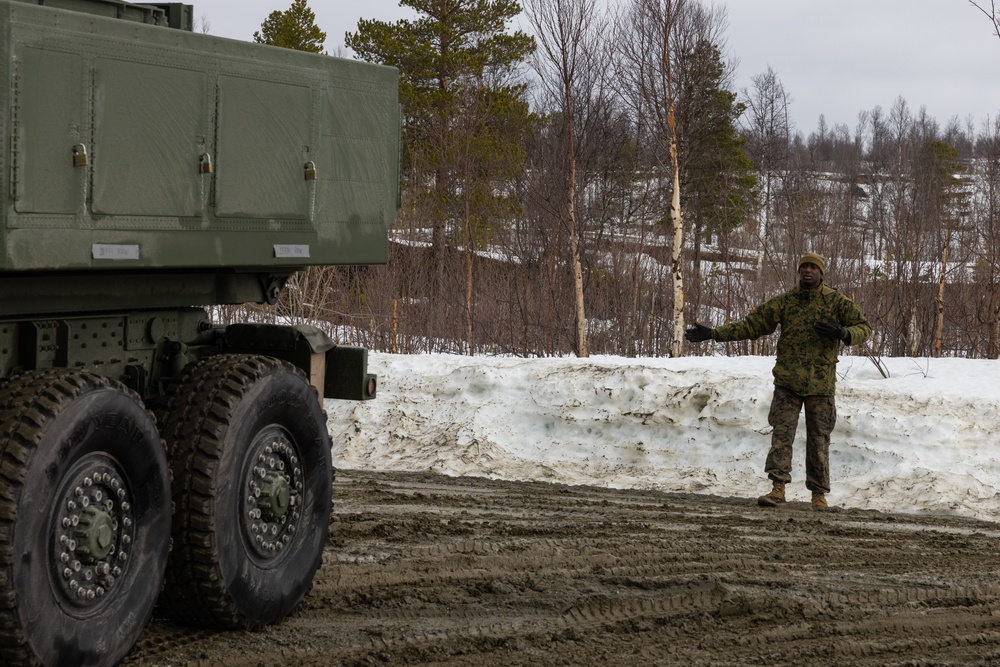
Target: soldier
<point>815,319</point>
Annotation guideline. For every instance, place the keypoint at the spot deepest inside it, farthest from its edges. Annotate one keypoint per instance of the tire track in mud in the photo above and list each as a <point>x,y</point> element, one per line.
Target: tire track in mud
<point>164,639</point>
<point>422,568</point>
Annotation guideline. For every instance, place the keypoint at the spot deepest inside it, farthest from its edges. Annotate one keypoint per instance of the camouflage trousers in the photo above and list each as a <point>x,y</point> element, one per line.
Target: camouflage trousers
<point>821,415</point>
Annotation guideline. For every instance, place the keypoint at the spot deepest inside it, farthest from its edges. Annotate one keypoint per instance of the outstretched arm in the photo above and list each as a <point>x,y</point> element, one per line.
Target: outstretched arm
<point>759,322</point>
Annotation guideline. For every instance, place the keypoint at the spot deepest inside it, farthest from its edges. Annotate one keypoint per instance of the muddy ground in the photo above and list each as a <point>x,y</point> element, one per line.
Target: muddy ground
<point>431,570</point>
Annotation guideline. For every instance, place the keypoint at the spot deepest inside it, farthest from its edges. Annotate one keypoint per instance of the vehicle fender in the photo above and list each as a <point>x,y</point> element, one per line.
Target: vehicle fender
<point>336,371</point>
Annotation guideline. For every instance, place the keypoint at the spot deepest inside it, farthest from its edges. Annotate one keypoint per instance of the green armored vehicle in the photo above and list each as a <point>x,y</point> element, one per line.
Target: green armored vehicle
<point>147,455</point>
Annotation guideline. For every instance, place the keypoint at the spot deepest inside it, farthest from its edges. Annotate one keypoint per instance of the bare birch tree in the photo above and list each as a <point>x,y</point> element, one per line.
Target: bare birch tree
<point>645,41</point>
<point>676,268</point>
<point>987,214</point>
<point>567,62</point>
<point>992,316</point>
<point>768,129</point>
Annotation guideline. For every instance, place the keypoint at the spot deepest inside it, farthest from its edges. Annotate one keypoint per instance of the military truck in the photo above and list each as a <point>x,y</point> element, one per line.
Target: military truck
<point>149,456</point>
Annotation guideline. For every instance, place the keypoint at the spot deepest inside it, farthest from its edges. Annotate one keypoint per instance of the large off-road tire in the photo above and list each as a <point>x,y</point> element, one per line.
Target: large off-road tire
<point>84,519</point>
<point>250,455</point>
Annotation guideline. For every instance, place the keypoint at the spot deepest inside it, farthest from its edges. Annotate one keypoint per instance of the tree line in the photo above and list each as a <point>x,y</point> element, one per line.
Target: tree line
<point>593,186</point>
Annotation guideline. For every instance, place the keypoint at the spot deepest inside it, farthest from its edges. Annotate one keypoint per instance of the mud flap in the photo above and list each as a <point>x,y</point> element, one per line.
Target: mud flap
<point>347,375</point>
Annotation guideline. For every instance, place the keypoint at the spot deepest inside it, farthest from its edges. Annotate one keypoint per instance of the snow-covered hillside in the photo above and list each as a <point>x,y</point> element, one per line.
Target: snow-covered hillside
<point>925,439</point>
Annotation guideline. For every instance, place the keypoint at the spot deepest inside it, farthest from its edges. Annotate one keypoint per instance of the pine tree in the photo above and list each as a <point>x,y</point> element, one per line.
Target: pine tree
<point>465,118</point>
<point>943,199</point>
<point>717,174</point>
<point>294,28</point>
<point>452,43</point>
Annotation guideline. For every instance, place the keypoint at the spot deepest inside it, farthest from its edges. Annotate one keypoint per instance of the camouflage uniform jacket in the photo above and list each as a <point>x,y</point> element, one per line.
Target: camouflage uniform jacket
<point>806,362</point>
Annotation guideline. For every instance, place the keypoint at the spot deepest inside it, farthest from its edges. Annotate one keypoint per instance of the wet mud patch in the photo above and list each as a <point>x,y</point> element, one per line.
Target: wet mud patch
<point>425,569</point>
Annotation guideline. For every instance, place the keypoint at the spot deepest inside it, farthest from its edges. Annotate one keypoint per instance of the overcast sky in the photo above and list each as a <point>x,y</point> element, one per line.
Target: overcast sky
<point>834,58</point>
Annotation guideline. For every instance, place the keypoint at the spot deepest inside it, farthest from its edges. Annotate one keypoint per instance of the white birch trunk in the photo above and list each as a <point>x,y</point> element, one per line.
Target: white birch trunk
<point>677,221</point>
<point>582,347</point>
<point>939,329</point>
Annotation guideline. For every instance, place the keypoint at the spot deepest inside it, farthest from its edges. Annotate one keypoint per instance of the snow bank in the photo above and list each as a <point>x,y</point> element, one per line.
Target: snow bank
<point>921,440</point>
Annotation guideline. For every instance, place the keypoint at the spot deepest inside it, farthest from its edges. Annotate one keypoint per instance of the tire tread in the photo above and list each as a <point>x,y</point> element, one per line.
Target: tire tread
<point>28,402</point>
<point>195,417</point>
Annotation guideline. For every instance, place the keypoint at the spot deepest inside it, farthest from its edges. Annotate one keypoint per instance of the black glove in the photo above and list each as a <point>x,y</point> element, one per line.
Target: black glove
<point>698,333</point>
<point>831,330</point>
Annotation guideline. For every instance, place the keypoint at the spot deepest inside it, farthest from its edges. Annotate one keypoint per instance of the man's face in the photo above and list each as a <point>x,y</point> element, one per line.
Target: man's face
<point>810,275</point>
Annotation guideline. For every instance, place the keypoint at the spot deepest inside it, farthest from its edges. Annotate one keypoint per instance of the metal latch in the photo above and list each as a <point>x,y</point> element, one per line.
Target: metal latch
<point>310,168</point>
<point>80,158</point>
<point>205,164</point>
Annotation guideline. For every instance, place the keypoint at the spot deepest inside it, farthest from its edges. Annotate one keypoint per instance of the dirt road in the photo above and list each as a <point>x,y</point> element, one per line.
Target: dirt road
<point>425,569</point>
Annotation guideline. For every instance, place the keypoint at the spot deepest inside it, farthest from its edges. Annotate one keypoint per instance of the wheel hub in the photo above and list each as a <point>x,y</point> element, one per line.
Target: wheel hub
<point>275,496</point>
<point>92,531</point>
<point>95,535</point>
<point>272,488</point>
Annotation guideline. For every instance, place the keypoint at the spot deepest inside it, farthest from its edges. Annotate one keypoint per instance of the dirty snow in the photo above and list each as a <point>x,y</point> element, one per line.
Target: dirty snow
<point>922,440</point>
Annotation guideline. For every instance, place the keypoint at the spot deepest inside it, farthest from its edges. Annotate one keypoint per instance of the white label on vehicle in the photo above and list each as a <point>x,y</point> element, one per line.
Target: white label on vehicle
<point>115,251</point>
<point>290,250</point>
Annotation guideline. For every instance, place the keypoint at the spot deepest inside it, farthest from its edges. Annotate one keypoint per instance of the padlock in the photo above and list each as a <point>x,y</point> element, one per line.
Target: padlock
<point>205,164</point>
<point>310,171</point>
<point>80,158</point>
